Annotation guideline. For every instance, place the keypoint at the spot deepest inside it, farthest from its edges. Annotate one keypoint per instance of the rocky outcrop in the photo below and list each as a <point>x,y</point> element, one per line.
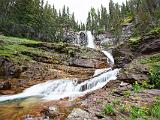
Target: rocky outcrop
<point>125,52</point>
<point>149,43</point>
<point>8,68</point>
<point>134,71</point>
<point>5,85</point>
<point>88,63</point>
<point>122,55</point>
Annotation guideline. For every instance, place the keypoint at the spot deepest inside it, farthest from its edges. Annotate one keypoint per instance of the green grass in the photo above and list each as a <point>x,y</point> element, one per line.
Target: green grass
<point>15,40</point>
<point>136,87</point>
<point>13,47</point>
<point>153,63</point>
<point>137,112</point>
<point>151,59</point>
<point>154,110</point>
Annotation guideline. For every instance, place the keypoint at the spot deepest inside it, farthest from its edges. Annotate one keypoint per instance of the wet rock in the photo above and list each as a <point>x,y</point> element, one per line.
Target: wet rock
<point>5,86</point>
<point>79,114</point>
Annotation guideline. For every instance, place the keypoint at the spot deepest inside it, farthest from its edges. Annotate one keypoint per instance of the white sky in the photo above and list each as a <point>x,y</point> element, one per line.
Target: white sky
<point>81,7</point>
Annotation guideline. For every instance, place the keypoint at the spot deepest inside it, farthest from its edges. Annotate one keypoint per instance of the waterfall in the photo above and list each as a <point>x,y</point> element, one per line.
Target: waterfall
<point>57,89</point>
<point>90,38</point>
<point>109,57</point>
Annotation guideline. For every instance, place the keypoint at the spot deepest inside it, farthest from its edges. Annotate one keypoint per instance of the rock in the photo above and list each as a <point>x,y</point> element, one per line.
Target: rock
<point>5,86</point>
<point>79,114</point>
<point>153,92</point>
<point>8,69</point>
<point>88,63</point>
<point>122,55</point>
<point>123,84</point>
<point>134,71</point>
<point>149,43</point>
<point>50,112</point>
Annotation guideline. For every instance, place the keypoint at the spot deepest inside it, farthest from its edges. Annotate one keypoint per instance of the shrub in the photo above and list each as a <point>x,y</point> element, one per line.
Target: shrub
<point>154,110</point>
<point>109,109</point>
<point>137,112</point>
<point>154,75</point>
<point>127,93</point>
<point>136,87</point>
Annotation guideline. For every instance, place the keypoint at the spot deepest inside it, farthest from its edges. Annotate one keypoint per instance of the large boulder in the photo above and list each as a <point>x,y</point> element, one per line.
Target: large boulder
<point>134,71</point>
<point>122,55</point>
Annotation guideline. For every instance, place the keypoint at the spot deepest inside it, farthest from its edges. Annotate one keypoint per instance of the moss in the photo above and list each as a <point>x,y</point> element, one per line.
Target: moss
<point>134,42</point>
<point>155,30</point>
<point>127,20</point>
<point>13,48</point>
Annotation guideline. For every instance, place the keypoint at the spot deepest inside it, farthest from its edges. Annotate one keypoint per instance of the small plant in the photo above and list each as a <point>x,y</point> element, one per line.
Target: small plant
<point>122,108</point>
<point>127,93</point>
<point>109,109</point>
<point>136,87</point>
<point>146,85</point>
<point>116,101</point>
<point>137,112</point>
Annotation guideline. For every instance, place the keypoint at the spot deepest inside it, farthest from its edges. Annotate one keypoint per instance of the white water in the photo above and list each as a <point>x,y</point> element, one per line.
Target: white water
<point>57,89</point>
<point>90,40</point>
<point>109,56</point>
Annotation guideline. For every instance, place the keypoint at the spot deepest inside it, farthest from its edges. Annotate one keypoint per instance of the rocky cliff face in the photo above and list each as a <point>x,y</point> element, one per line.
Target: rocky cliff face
<point>138,58</point>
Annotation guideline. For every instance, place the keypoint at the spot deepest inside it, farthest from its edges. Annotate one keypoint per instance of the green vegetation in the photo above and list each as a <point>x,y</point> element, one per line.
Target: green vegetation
<point>154,75</point>
<point>13,47</point>
<point>128,19</point>
<point>153,62</point>
<point>155,30</point>
<point>154,109</point>
<point>146,84</point>
<point>127,93</point>
<point>152,59</point>
<point>137,112</point>
<point>136,87</point>
<point>109,109</point>
<point>122,108</point>
<point>134,41</point>
<point>35,19</point>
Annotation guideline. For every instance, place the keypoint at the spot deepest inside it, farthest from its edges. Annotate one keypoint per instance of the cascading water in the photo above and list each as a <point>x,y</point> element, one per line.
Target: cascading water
<point>90,40</point>
<point>57,89</point>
